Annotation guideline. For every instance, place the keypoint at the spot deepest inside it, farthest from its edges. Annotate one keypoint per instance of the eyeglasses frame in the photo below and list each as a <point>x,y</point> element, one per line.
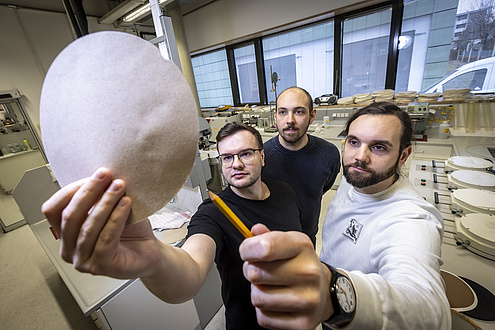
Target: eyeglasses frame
<point>237,154</point>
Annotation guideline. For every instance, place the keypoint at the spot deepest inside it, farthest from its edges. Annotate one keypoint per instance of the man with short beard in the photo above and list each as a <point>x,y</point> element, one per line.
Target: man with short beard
<point>379,266</point>
<point>307,163</point>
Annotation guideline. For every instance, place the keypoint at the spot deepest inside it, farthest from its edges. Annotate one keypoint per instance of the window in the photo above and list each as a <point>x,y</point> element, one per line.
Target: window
<point>473,80</point>
<point>365,52</point>
<point>444,38</point>
<point>355,53</point>
<point>247,79</point>
<point>301,57</point>
<point>211,73</point>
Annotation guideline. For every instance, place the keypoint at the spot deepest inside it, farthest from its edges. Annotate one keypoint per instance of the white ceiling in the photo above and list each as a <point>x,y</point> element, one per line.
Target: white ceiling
<point>95,8</point>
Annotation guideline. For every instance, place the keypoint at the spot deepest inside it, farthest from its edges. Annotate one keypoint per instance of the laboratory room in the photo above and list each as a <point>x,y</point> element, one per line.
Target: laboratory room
<point>150,151</point>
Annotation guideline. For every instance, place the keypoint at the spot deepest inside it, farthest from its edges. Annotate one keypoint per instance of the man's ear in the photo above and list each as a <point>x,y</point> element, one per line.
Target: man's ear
<point>262,152</point>
<point>404,155</point>
<point>312,116</point>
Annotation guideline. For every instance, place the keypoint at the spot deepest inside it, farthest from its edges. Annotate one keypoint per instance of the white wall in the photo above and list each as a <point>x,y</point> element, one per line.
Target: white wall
<point>225,20</point>
<point>29,42</point>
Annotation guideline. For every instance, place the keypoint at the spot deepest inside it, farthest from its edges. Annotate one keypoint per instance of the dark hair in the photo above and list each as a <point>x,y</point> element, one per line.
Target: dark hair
<point>310,99</point>
<point>233,128</point>
<point>386,108</point>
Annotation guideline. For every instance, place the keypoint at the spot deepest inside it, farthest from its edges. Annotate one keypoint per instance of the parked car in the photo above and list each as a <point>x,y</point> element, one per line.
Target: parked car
<point>479,76</point>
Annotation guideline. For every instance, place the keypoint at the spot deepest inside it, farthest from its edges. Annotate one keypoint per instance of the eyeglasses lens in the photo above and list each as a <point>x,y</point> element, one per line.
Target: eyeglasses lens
<point>245,156</point>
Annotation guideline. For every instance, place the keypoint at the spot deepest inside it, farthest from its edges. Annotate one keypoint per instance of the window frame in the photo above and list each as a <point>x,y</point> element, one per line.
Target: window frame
<point>397,7</point>
<point>260,71</point>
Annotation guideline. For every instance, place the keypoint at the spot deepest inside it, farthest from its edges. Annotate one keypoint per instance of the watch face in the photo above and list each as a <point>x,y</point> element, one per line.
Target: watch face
<point>345,294</point>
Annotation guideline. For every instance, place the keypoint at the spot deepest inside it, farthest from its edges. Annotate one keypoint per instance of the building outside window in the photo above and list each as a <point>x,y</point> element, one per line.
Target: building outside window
<point>247,80</point>
<point>300,57</point>
<point>365,52</point>
<point>443,36</point>
<point>211,73</point>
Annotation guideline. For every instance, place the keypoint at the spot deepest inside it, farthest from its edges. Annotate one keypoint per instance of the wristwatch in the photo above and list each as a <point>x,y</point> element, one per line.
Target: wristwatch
<point>342,296</point>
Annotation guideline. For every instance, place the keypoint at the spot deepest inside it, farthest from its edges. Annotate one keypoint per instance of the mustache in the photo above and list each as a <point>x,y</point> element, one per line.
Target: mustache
<point>359,164</point>
<point>291,127</point>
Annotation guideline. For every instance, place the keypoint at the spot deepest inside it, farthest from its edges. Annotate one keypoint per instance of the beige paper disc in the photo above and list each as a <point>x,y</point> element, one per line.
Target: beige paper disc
<point>111,100</point>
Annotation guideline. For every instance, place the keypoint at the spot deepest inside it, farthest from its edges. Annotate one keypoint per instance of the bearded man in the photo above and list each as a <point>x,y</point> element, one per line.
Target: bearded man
<point>307,163</point>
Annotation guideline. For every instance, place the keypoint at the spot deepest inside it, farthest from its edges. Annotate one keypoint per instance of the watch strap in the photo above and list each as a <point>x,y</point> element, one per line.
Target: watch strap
<point>339,315</point>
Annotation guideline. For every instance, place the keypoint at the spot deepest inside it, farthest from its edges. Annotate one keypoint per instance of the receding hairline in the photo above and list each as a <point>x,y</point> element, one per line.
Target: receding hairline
<point>300,90</point>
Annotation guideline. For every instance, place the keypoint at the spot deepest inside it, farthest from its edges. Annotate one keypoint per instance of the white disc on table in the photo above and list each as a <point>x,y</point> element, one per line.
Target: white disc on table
<point>477,233</point>
<point>481,227</point>
<point>468,163</point>
<point>473,179</point>
<point>111,100</point>
<point>475,200</point>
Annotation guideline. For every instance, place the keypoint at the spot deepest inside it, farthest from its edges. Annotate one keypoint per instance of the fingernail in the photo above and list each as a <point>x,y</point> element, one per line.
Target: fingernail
<point>123,202</point>
<point>115,186</point>
<point>98,175</point>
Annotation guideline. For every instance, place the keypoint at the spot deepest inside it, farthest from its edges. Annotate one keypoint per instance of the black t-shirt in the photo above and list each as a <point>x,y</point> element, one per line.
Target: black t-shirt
<point>280,211</point>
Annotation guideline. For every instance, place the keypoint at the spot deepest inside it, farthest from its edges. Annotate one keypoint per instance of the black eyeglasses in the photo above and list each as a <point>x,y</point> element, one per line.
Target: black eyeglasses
<point>246,156</point>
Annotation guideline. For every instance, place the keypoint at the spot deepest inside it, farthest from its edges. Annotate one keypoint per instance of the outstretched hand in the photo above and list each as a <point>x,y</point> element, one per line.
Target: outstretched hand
<point>90,217</point>
<point>289,285</point>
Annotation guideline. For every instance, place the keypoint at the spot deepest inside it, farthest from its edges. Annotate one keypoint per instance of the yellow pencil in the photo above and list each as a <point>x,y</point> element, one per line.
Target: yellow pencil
<point>230,215</point>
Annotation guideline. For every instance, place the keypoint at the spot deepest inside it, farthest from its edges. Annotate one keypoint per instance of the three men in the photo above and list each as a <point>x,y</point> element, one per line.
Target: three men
<point>380,262</point>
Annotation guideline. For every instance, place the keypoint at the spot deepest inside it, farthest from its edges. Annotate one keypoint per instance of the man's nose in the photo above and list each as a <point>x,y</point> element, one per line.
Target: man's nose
<point>290,117</point>
<point>362,154</point>
<point>236,162</point>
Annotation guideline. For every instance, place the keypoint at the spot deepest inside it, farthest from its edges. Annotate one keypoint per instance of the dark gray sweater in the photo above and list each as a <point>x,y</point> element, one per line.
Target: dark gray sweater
<point>310,171</point>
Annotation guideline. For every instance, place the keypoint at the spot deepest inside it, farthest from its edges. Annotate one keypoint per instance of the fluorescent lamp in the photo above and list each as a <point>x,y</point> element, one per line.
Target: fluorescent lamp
<point>141,11</point>
<point>120,10</point>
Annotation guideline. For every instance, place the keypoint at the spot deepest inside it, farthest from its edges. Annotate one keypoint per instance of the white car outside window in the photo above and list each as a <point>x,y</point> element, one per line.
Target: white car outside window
<point>478,76</point>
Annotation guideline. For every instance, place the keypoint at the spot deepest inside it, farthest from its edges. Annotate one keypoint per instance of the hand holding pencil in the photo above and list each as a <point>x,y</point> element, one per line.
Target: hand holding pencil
<point>286,277</point>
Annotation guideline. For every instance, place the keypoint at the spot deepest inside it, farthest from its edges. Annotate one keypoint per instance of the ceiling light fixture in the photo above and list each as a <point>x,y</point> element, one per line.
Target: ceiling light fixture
<point>119,11</point>
<point>141,12</point>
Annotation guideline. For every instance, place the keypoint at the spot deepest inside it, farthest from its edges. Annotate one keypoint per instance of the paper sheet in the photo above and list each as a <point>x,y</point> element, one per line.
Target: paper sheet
<point>169,220</point>
<point>111,100</point>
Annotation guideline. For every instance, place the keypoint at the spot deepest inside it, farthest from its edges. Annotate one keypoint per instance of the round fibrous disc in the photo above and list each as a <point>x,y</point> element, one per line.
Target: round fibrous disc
<point>111,100</point>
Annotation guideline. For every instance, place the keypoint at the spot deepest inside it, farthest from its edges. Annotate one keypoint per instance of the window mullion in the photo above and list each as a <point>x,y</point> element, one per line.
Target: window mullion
<point>233,76</point>
<point>260,69</point>
<point>337,75</point>
<point>393,49</point>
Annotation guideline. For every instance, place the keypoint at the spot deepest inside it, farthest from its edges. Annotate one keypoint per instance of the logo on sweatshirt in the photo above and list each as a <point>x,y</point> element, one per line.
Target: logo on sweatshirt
<point>353,231</point>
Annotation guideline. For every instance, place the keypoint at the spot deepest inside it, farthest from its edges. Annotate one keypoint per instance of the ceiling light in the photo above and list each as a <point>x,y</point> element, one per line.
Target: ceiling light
<point>141,12</point>
<point>119,11</point>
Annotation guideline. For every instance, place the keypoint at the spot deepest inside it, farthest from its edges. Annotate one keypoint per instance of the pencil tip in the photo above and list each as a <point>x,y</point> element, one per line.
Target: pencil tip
<point>212,195</point>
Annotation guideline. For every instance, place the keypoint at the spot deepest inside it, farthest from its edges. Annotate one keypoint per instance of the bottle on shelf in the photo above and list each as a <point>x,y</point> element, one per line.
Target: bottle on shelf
<point>443,130</point>
<point>26,145</point>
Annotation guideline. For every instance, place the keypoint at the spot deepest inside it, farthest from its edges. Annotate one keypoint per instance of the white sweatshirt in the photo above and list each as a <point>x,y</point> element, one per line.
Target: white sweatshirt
<point>389,245</point>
